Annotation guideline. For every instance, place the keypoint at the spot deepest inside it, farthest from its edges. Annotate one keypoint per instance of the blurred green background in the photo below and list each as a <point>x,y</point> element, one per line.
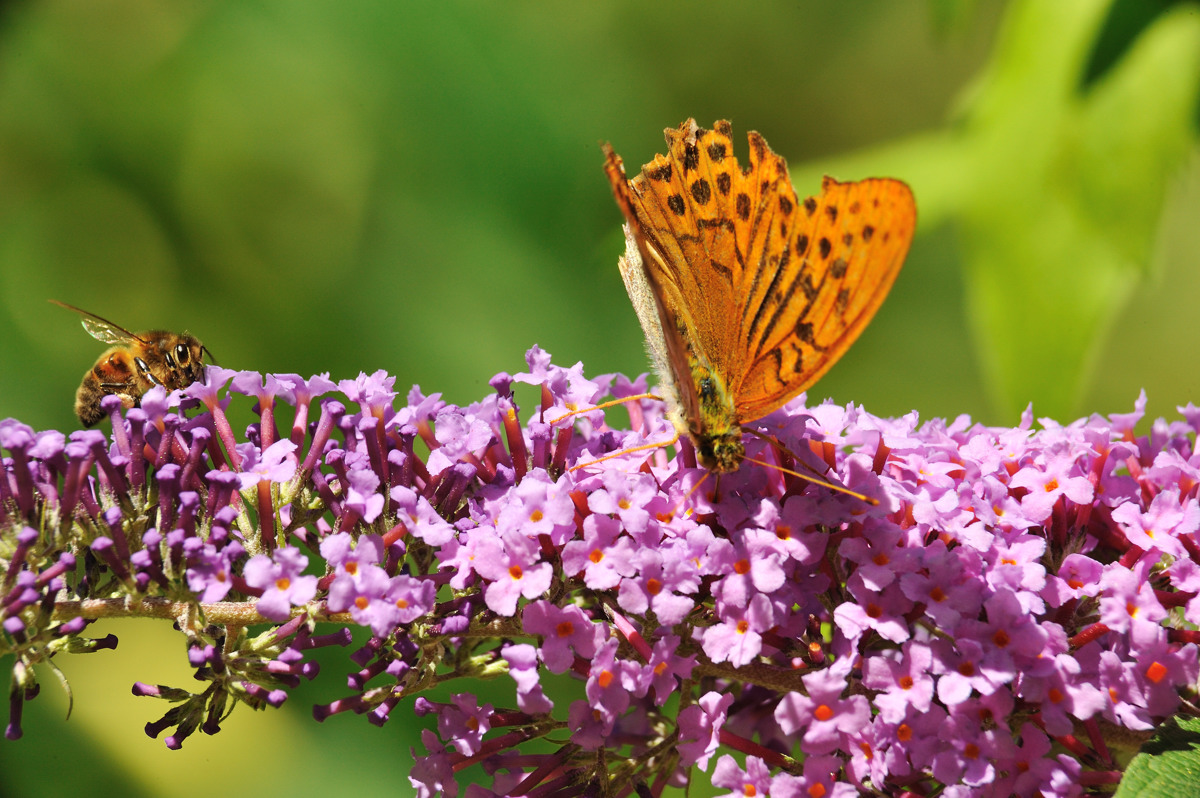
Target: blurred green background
<point>350,186</point>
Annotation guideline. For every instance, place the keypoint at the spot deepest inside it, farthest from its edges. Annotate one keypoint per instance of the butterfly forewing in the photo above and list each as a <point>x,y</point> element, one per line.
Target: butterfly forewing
<point>827,276</point>
<point>762,208</point>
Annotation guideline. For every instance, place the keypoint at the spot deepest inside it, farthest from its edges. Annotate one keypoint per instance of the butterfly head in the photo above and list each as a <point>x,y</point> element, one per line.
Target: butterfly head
<point>721,454</point>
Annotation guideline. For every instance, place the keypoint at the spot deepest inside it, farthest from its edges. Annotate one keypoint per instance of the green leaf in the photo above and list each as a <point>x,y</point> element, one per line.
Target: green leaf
<point>1062,191</point>
<point>1168,766</point>
<point>1125,21</point>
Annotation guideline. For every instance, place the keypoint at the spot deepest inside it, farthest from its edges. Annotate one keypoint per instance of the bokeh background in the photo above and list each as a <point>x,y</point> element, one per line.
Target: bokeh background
<point>417,187</point>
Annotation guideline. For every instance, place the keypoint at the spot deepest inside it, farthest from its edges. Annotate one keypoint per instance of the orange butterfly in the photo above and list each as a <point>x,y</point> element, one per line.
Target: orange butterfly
<point>746,295</point>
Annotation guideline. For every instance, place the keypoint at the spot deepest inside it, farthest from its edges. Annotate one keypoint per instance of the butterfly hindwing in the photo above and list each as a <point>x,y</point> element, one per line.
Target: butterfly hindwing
<point>650,274</point>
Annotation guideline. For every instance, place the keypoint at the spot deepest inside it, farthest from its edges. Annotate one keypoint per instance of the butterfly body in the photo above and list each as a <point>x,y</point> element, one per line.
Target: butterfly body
<point>715,432</point>
<point>746,294</point>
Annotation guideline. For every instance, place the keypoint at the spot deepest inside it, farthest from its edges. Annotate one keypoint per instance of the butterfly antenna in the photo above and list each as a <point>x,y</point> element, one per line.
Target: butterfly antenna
<point>623,452</point>
<point>813,478</point>
<point>606,405</point>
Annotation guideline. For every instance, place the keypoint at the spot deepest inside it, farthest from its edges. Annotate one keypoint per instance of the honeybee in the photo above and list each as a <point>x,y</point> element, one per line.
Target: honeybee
<point>134,364</point>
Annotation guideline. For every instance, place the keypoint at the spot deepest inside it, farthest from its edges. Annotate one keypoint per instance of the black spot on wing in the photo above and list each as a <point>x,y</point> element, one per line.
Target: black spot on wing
<point>709,224</point>
<point>804,331</point>
<point>843,299</point>
<point>759,145</point>
<point>742,206</point>
<point>806,285</point>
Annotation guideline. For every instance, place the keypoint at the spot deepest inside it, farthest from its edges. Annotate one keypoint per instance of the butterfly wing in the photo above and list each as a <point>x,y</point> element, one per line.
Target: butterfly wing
<point>756,287</point>
<point>641,296</point>
<point>658,280</point>
<point>823,267</point>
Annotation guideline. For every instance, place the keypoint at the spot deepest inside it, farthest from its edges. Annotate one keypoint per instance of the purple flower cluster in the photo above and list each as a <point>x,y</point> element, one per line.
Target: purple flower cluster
<point>1007,607</point>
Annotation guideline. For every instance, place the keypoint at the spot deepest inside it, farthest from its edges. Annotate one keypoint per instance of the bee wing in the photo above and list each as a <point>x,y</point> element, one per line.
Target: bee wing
<point>99,328</point>
<point>108,332</point>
